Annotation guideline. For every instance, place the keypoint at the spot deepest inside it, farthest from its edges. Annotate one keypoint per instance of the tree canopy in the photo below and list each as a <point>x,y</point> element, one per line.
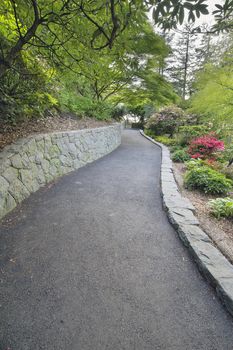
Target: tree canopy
<point>214,90</point>
<point>78,54</point>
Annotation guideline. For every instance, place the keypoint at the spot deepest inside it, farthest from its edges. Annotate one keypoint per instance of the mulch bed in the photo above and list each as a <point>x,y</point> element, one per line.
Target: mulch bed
<point>220,231</point>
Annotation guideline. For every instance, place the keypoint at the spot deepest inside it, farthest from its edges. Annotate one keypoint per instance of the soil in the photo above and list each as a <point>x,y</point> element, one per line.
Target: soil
<point>10,133</point>
<point>220,231</point>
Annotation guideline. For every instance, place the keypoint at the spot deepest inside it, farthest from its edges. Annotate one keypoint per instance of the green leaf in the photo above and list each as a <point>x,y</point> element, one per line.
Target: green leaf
<point>188,6</point>
<point>219,6</point>
<point>191,17</point>
<point>181,15</point>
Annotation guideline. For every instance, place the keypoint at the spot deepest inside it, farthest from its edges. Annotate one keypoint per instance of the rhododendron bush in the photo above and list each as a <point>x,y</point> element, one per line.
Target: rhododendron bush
<point>205,147</point>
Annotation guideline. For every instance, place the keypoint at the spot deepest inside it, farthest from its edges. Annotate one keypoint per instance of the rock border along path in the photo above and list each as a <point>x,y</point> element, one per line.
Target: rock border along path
<point>211,262</point>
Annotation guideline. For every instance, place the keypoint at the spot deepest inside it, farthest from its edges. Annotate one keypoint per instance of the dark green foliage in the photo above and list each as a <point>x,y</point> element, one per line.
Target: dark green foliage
<point>149,133</point>
<point>176,147</point>
<point>227,154</point>
<point>169,13</point>
<point>78,59</point>
<point>207,180</point>
<point>25,93</point>
<point>187,132</point>
<point>180,156</point>
<point>168,141</point>
<point>118,112</point>
<point>85,106</point>
<point>137,125</point>
<point>76,54</point>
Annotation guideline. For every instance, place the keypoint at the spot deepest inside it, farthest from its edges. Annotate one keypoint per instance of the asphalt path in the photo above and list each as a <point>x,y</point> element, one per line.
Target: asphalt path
<point>91,262</point>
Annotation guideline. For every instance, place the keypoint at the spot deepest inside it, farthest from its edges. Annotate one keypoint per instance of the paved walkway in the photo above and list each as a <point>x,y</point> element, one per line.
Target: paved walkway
<point>91,263</point>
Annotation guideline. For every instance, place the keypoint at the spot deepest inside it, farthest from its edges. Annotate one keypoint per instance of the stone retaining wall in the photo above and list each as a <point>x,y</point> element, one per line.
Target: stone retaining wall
<point>30,163</point>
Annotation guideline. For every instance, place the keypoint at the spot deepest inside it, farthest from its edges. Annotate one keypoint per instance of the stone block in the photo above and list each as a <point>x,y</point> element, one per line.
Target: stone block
<point>10,174</point>
<point>18,191</point>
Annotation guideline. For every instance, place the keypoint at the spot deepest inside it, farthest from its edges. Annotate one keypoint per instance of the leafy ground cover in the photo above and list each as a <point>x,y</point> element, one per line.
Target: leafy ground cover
<point>219,230</point>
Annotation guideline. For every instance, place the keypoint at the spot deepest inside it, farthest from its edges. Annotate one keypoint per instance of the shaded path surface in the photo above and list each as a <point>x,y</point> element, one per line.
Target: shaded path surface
<point>91,263</point>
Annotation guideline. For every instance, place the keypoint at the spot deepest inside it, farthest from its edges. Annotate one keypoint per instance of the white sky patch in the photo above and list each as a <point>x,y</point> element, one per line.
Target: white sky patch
<point>204,19</point>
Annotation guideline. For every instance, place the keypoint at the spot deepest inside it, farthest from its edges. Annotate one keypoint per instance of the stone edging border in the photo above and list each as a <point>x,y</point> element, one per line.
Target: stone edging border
<point>211,262</point>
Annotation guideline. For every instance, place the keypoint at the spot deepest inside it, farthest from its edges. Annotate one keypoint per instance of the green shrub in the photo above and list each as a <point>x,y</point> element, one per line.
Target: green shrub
<point>188,132</point>
<point>168,141</point>
<point>177,148</point>
<point>194,163</point>
<point>221,207</point>
<point>180,156</point>
<point>228,172</point>
<point>149,133</point>
<point>227,154</point>
<point>84,106</point>
<point>166,121</point>
<point>25,94</point>
<point>207,180</point>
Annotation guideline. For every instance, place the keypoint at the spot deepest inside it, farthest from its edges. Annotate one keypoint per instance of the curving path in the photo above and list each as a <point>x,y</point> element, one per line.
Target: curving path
<point>91,263</point>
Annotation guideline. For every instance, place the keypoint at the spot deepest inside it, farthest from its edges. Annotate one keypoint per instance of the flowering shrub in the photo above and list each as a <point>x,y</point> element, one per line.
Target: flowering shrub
<point>166,121</point>
<point>205,147</point>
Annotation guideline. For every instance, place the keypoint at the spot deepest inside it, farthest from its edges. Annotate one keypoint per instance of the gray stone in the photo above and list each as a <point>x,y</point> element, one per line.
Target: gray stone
<point>177,202</point>
<point>4,185</point>
<point>39,158</point>
<point>41,145</point>
<point>72,149</point>
<point>29,179</point>
<point>66,161</point>
<point>10,203</point>
<point>168,177</point>
<point>45,165</point>
<point>53,171</point>
<point>18,191</point>
<point>16,161</point>
<point>180,216</point>
<point>52,152</point>
<point>20,161</point>
<point>30,163</point>
<point>190,234</point>
<point>10,174</point>
<point>32,147</point>
<point>40,177</point>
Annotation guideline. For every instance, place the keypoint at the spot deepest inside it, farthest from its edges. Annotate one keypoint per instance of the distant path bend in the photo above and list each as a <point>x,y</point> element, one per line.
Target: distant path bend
<point>92,263</point>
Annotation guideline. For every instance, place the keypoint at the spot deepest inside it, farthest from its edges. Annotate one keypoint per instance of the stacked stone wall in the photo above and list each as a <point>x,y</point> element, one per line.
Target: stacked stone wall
<point>30,163</point>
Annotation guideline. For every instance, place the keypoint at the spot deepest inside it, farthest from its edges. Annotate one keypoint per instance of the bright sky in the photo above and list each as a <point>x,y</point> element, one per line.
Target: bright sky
<point>209,19</point>
<point>204,19</point>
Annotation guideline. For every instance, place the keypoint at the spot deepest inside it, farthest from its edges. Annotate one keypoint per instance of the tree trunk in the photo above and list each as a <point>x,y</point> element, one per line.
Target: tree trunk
<point>186,67</point>
<point>15,50</point>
